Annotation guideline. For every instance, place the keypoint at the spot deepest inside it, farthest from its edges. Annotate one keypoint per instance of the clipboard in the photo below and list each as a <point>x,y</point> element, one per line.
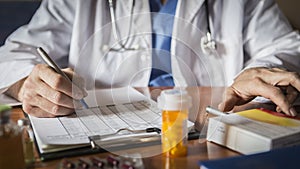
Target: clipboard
<point>88,149</point>
<point>95,146</point>
<point>53,131</point>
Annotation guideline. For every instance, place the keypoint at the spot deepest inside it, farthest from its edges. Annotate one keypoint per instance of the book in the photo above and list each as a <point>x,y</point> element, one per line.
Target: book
<point>254,131</point>
<point>286,158</point>
<point>109,111</point>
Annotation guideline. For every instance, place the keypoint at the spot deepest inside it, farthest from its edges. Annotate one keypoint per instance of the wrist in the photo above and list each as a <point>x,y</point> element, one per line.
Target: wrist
<point>15,90</point>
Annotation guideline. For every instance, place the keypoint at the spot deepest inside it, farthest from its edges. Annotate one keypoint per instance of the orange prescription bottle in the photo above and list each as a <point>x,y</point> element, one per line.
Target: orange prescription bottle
<point>174,104</point>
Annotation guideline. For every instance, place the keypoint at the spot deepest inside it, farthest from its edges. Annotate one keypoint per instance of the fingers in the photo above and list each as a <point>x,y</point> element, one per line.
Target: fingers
<point>291,94</point>
<point>273,76</point>
<point>275,94</point>
<point>35,111</point>
<point>38,106</point>
<point>278,79</point>
<point>58,82</point>
<point>55,97</point>
<point>264,82</point>
<point>237,94</point>
<point>76,79</point>
<point>229,103</point>
<point>32,98</point>
<point>48,94</point>
<point>230,100</point>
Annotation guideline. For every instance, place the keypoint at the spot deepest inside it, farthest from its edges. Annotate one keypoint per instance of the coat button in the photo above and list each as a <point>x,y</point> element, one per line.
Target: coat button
<point>105,48</point>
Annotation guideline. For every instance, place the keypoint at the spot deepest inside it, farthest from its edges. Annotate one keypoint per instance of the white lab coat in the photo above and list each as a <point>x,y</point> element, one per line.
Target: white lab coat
<point>77,33</point>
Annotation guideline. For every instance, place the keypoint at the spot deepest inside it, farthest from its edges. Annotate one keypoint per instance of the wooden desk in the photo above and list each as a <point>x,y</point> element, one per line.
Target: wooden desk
<point>197,149</point>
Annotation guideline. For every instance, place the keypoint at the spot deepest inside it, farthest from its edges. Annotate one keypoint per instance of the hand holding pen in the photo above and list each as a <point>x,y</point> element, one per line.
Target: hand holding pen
<point>46,92</point>
<point>51,63</point>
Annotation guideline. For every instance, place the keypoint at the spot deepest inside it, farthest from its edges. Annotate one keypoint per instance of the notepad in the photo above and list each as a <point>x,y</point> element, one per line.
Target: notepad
<point>253,131</point>
<point>110,110</point>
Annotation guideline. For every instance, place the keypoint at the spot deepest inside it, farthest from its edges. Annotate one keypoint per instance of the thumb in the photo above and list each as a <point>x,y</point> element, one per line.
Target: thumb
<point>230,99</point>
<point>76,79</point>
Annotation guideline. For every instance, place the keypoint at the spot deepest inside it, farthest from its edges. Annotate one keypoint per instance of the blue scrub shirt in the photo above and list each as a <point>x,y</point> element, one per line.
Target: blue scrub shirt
<point>162,26</point>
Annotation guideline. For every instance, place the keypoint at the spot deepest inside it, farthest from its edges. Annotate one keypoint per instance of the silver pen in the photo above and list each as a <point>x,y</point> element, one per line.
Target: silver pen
<point>216,112</point>
<point>51,63</point>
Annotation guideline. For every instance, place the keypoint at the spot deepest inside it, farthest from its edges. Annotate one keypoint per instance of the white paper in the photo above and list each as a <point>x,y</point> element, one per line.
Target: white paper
<point>109,111</point>
<point>102,97</point>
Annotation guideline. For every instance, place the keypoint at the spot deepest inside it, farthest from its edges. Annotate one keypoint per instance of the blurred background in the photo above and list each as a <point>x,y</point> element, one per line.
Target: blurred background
<point>15,13</point>
<point>291,9</point>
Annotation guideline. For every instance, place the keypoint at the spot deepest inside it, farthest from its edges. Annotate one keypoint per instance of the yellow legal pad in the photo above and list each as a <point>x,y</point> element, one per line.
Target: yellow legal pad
<point>268,117</point>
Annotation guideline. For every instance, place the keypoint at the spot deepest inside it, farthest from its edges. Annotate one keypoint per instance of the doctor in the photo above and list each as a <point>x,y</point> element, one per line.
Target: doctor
<point>120,43</point>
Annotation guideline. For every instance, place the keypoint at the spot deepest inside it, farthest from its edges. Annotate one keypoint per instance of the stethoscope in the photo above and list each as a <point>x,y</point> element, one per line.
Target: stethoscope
<point>115,29</point>
<point>208,44</point>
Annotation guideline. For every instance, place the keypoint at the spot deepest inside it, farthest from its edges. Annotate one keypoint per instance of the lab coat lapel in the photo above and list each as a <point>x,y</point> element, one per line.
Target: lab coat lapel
<point>142,21</point>
<point>188,8</point>
<point>141,38</point>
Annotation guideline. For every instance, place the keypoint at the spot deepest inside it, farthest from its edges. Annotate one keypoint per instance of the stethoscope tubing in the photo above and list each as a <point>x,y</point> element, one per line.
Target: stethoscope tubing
<point>207,42</point>
<point>115,30</point>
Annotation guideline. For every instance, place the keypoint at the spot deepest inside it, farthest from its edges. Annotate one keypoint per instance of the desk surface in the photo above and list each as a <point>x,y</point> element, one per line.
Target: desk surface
<point>197,149</point>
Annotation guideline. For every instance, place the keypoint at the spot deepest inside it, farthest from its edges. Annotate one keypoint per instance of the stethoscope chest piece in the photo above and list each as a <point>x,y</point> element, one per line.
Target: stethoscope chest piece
<point>208,45</point>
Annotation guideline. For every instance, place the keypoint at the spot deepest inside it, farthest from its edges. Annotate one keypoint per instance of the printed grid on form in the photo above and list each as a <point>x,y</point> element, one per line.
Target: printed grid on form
<point>108,119</point>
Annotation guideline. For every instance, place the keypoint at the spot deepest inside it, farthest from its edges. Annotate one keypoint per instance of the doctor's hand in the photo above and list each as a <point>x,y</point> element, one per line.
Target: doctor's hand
<point>280,86</point>
<point>45,93</point>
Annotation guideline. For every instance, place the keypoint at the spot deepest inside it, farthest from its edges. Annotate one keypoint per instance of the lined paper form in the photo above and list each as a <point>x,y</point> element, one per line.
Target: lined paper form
<point>76,128</point>
<point>129,110</point>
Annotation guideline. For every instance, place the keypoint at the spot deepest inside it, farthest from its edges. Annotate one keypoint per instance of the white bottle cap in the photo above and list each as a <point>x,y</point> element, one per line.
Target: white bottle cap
<point>23,122</point>
<point>174,99</point>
